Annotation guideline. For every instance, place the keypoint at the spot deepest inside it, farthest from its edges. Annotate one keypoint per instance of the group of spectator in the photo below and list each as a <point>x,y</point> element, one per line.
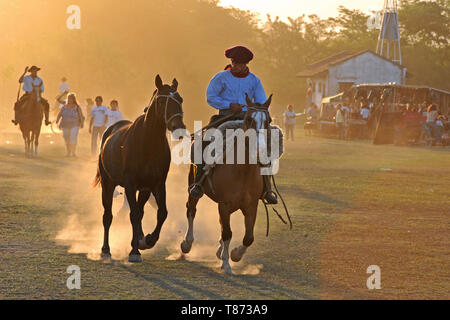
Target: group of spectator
<point>421,123</point>
<point>71,118</point>
<point>343,116</point>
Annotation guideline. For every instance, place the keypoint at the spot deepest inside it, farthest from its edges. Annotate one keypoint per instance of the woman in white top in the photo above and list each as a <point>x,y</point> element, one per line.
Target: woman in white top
<point>114,114</point>
<point>289,121</point>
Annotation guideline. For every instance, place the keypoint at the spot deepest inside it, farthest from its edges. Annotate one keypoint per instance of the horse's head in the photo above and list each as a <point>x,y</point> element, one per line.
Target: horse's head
<point>168,104</point>
<point>258,118</point>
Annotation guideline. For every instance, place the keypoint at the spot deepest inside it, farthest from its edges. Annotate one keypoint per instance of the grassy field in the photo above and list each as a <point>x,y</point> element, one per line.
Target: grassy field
<point>353,205</point>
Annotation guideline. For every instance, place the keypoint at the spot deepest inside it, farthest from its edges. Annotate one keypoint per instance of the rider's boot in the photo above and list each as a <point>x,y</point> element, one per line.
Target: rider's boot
<point>15,118</point>
<point>196,190</point>
<point>46,114</point>
<point>268,195</point>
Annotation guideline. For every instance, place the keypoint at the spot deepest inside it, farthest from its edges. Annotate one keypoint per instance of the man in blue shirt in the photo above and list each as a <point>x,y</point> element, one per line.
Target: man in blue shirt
<point>226,93</point>
<point>29,83</point>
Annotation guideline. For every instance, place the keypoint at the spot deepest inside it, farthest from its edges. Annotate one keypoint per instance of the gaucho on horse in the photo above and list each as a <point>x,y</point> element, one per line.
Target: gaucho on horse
<point>227,93</point>
<point>243,106</point>
<point>32,84</point>
<point>30,109</point>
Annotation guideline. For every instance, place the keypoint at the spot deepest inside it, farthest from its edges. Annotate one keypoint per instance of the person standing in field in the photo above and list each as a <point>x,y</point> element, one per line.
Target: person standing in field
<point>64,87</point>
<point>340,122</point>
<point>309,96</point>
<point>72,120</point>
<point>89,107</point>
<point>97,125</point>
<point>432,115</point>
<point>61,98</point>
<point>289,121</point>
<point>114,114</point>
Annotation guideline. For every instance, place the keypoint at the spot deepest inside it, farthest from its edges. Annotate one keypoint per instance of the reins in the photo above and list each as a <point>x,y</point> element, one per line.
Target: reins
<point>277,192</point>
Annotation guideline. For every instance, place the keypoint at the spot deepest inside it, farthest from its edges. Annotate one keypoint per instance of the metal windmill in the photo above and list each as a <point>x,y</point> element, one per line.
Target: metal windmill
<point>389,39</point>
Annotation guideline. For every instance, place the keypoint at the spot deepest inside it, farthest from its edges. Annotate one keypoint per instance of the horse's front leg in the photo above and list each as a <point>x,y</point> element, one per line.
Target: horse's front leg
<point>225,213</point>
<point>142,200</point>
<point>160,197</point>
<point>135,218</point>
<point>107,200</point>
<point>250,219</point>
<point>191,206</point>
<point>36,143</point>
<point>26,140</point>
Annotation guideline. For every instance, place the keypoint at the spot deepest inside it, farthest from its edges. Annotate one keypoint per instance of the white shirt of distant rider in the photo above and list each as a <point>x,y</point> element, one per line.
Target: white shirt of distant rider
<point>64,87</point>
<point>113,117</point>
<point>28,83</point>
<point>99,114</point>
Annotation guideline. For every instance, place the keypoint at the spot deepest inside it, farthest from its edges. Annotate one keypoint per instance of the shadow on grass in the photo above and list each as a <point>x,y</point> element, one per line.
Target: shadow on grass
<point>311,195</point>
<point>257,284</point>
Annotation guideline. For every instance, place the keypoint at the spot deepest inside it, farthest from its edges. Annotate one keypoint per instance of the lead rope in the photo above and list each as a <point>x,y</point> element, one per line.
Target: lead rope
<point>284,204</point>
<point>277,192</point>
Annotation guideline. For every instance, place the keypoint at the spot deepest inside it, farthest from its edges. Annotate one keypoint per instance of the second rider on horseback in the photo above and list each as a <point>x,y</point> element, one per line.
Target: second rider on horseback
<point>32,84</point>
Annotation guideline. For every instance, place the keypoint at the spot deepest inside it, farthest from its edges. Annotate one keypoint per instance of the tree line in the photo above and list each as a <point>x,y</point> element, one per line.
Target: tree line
<point>122,45</point>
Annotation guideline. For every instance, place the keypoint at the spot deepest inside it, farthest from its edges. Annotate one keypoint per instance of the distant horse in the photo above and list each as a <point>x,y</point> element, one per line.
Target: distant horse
<point>233,187</point>
<point>30,122</point>
<point>137,157</point>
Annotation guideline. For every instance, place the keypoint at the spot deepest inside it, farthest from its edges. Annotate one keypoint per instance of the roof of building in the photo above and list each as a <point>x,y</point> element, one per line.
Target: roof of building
<point>404,86</point>
<point>322,66</point>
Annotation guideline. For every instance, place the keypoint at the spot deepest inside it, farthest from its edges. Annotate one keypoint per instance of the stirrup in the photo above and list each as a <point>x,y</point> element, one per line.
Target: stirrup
<point>196,190</point>
<point>270,197</point>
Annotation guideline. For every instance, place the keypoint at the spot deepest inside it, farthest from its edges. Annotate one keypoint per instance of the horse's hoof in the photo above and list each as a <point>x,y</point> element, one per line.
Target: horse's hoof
<point>235,255</point>
<point>226,269</point>
<point>186,247</point>
<point>219,252</point>
<point>105,256</point>
<point>135,258</point>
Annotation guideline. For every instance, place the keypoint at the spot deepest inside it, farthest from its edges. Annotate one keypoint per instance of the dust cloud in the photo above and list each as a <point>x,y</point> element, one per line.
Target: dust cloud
<point>82,228</point>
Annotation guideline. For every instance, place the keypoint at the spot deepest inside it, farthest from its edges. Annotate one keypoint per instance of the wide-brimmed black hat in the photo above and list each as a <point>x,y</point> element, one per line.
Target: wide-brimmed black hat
<point>34,68</point>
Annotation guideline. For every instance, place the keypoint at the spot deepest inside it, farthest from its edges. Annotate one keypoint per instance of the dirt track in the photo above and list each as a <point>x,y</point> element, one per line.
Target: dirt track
<point>347,215</point>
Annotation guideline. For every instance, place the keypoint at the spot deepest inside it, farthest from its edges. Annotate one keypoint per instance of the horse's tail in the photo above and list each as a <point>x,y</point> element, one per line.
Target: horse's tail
<point>97,179</point>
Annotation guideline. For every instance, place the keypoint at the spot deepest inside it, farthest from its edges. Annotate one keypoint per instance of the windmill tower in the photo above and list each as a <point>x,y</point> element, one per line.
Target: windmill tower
<point>389,39</point>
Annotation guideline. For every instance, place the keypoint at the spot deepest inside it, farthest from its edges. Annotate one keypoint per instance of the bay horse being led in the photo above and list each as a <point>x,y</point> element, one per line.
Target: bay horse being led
<point>137,157</point>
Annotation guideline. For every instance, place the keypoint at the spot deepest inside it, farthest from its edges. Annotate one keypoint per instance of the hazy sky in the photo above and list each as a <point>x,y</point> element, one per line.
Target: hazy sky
<point>295,8</point>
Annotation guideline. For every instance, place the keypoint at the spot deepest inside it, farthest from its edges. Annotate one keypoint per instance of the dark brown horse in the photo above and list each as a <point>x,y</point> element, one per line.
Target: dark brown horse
<point>30,122</point>
<point>137,157</point>
<point>234,187</point>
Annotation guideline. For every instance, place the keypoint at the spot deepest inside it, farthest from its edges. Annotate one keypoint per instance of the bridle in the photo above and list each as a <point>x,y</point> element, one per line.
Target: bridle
<point>168,97</point>
<point>259,109</point>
